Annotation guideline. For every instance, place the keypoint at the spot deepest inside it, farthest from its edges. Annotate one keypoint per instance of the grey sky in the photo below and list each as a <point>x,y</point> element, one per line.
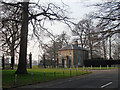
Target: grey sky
<point>78,10</point>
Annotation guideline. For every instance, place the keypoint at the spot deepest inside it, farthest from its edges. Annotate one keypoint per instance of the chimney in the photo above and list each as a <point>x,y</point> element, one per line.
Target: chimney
<point>76,43</point>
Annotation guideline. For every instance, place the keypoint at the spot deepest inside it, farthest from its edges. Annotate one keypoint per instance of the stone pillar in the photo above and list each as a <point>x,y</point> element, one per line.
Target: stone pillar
<point>30,60</point>
<point>44,64</point>
<point>63,62</point>
<point>3,62</point>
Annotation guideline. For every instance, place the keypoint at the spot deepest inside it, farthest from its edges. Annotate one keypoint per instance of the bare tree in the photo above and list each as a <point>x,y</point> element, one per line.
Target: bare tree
<point>10,31</point>
<point>63,38</point>
<point>83,30</point>
<point>109,20</point>
<point>36,15</point>
<point>55,44</point>
<point>109,17</point>
<point>116,46</point>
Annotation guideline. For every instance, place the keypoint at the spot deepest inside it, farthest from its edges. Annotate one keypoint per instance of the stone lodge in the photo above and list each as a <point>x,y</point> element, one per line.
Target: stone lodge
<point>72,56</point>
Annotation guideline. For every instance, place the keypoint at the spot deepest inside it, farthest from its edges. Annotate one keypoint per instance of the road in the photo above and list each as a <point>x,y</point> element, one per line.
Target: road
<point>98,79</point>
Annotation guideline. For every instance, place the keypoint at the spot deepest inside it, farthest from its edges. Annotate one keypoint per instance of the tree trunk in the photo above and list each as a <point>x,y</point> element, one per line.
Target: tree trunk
<point>110,48</point>
<point>30,60</point>
<point>81,40</point>
<point>54,47</point>
<point>104,49</point>
<point>23,43</point>
<point>91,55</point>
<point>12,52</point>
<point>12,62</point>
<point>3,62</point>
<point>90,45</point>
<point>51,63</point>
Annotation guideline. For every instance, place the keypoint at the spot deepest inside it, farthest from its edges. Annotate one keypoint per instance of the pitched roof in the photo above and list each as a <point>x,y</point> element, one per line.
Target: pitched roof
<point>73,47</point>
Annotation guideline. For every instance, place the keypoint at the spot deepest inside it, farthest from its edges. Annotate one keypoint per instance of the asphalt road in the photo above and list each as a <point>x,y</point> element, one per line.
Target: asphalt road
<point>98,79</point>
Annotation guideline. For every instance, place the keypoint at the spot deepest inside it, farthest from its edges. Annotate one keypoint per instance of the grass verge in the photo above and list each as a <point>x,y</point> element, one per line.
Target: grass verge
<point>36,76</point>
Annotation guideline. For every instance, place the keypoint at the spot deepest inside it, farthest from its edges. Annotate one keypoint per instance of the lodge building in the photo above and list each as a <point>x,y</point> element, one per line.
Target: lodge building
<point>72,55</point>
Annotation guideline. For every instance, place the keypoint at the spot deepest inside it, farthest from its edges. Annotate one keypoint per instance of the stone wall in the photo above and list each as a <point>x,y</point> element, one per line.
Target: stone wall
<point>64,54</point>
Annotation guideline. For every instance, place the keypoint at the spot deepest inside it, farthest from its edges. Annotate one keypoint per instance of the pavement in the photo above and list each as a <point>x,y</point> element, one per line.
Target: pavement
<point>97,79</point>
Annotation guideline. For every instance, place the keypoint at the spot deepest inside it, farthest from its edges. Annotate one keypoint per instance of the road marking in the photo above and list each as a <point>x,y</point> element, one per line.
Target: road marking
<point>106,85</point>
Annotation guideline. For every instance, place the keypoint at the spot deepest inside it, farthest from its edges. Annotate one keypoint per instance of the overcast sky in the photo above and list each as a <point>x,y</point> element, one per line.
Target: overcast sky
<point>78,10</point>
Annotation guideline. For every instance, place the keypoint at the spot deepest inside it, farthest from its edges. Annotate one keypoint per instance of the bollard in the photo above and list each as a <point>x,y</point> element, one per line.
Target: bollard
<point>44,76</point>
<point>100,66</point>
<point>15,81</point>
<point>55,75</point>
<point>91,67</point>
<point>107,66</point>
<point>83,68</point>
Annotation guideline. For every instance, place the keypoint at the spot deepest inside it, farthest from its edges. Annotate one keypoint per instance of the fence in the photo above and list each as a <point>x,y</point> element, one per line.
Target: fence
<point>45,76</point>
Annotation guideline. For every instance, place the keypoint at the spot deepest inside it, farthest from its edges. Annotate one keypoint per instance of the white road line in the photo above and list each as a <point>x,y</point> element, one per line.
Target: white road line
<point>106,85</point>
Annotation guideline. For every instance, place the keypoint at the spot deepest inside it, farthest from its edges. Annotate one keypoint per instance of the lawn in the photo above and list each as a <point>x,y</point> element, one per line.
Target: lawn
<point>37,75</point>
